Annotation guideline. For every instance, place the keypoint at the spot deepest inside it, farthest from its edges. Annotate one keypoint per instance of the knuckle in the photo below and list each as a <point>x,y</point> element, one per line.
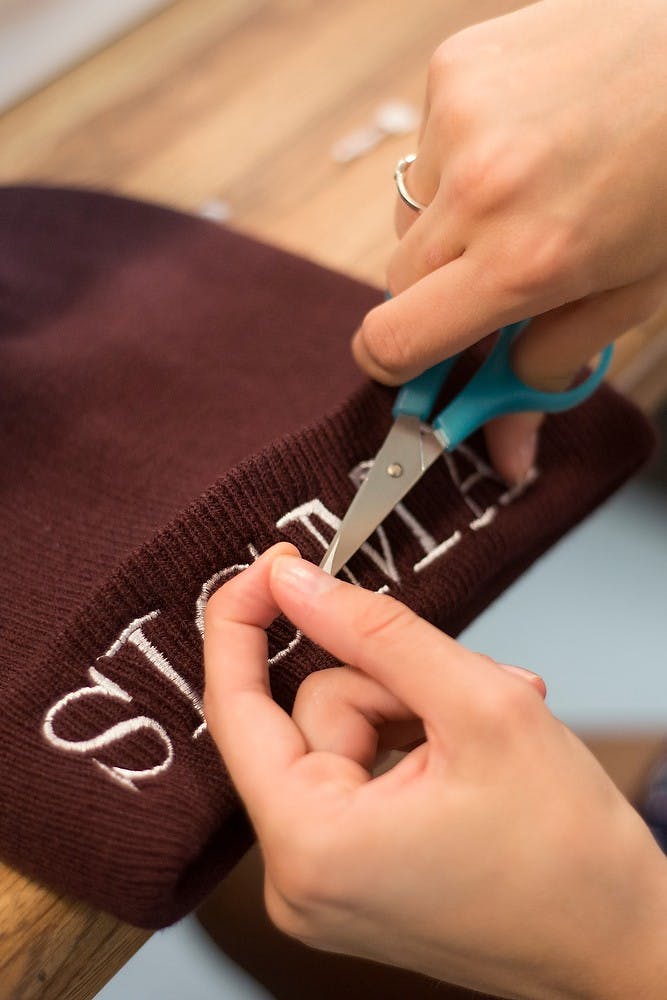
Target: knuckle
<point>296,884</point>
<point>397,276</point>
<point>317,695</point>
<point>456,108</point>
<point>383,619</point>
<point>542,260</point>
<point>280,913</point>
<point>439,69</point>
<point>435,255</point>
<point>505,708</point>
<point>452,91</point>
<point>457,86</point>
<point>450,59</point>
<point>490,174</point>
<point>315,685</point>
<point>406,267</point>
<point>287,917</point>
<point>488,660</point>
<point>473,182</point>
<point>384,343</point>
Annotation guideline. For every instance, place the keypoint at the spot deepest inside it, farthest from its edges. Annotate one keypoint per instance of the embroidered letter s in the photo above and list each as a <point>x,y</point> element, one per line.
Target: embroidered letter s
<point>103,687</point>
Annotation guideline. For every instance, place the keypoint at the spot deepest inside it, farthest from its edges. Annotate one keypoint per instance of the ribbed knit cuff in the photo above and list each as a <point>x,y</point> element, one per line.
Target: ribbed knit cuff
<point>144,352</point>
<point>119,796</point>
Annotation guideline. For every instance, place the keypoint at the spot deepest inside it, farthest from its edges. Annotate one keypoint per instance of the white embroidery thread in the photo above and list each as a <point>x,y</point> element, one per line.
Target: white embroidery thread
<point>438,551</point>
<point>208,588</point>
<point>106,688</point>
<point>515,491</point>
<point>481,471</point>
<point>484,519</point>
<point>282,653</point>
<point>102,686</point>
<point>304,515</point>
<point>204,594</point>
<point>315,508</point>
<point>135,635</point>
<point>426,540</point>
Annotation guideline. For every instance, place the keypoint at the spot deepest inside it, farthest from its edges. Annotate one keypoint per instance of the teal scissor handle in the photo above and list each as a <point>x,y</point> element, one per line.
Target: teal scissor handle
<point>492,391</point>
<point>417,397</point>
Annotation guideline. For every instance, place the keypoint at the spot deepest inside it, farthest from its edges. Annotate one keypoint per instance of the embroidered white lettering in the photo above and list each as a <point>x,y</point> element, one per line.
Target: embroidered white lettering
<point>484,519</point>
<point>103,687</point>
<point>208,588</point>
<point>438,551</point>
<point>481,470</point>
<point>135,636</point>
<point>311,516</point>
<point>204,594</point>
<point>304,514</point>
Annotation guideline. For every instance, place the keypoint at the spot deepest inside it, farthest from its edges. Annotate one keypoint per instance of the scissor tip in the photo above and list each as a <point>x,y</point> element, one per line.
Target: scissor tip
<point>327,563</point>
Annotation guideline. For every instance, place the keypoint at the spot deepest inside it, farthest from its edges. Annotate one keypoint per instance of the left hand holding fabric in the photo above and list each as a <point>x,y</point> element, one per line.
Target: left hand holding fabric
<point>497,854</point>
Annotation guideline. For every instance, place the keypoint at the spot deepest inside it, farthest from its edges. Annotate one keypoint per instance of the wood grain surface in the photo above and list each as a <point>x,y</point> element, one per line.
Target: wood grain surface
<point>52,948</point>
<point>237,101</point>
<point>242,100</point>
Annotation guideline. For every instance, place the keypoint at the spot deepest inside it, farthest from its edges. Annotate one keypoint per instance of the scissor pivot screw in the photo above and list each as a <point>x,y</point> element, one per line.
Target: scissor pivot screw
<point>395,470</point>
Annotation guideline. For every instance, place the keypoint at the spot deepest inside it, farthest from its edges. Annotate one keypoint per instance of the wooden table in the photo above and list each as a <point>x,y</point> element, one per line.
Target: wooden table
<point>237,101</point>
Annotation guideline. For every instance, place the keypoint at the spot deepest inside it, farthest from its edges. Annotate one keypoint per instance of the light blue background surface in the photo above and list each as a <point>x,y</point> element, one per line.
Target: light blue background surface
<point>591,617</point>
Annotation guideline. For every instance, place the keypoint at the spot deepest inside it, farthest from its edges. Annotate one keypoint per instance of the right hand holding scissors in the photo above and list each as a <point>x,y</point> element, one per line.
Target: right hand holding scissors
<point>541,166</point>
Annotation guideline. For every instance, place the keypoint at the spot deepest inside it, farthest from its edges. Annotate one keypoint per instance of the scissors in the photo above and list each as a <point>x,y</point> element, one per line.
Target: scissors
<point>413,445</point>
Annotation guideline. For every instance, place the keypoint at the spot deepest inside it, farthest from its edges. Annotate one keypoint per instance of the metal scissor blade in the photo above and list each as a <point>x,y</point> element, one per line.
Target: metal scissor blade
<point>409,450</point>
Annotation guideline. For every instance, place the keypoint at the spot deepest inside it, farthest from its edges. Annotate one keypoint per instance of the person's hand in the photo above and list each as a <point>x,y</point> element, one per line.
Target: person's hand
<point>497,854</point>
<point>542,159</point>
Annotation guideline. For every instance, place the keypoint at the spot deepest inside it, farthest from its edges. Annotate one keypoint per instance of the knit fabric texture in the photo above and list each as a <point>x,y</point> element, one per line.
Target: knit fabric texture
<point>145,355</point>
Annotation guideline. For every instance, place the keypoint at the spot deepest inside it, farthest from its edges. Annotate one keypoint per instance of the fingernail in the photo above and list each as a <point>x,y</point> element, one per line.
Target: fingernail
<point>359,352</point>
<point>285,549</point>
<point>303,576</point>
<point>519,671</point>
<point>526,675</point>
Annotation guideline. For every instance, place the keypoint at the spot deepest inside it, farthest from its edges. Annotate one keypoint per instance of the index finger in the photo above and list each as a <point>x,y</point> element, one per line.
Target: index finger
<point>257,739</point>
<point>434,676</point>
<point>441,314</point>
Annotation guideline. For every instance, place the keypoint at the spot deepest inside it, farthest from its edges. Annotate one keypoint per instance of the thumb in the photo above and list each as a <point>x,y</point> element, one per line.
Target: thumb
<point>435,678</point>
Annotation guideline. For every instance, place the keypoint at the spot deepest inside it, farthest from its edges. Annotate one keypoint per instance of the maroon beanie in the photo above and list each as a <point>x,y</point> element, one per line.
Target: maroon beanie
<point>146,355</point>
